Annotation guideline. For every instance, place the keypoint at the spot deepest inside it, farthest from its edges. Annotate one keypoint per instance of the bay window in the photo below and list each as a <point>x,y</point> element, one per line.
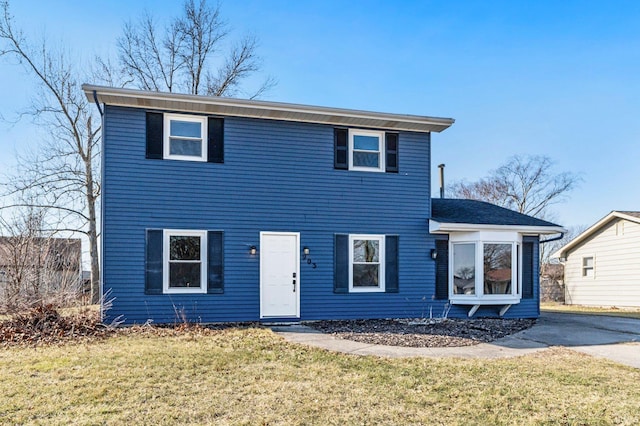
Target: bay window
<point>484,267</point>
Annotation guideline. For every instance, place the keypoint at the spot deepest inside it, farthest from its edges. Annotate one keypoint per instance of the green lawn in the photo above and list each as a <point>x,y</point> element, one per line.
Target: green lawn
<point>251,376</point>
<point>577,309</point>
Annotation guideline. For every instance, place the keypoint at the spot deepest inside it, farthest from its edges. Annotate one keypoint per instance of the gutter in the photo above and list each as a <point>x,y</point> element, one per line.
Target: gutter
<point>559,237</point>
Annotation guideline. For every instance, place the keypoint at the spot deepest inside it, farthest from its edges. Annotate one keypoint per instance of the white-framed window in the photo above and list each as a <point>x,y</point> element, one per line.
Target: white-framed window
<point>366,263</point>
<point>485,268</point>
<point>184,257</point>
<point>185,137</point>
<point>366,150</point>
<point>588,265</point>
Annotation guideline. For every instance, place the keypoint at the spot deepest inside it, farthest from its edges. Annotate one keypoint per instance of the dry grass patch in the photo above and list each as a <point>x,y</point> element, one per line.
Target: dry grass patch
<point>251,376</point>
<point>577,309</point>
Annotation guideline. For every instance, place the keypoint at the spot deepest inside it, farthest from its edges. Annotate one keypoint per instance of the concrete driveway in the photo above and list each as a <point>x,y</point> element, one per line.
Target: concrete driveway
<point>614,338</point>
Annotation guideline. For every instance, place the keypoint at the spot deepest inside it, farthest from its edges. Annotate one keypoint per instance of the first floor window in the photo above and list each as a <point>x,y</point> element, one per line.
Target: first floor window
<point>497,268</point>
<point>185,264</point>
<point>464,268</point>
<point>185,137</point>
<point>480,269</point>
<point>366,254</point>
<point>587,266</point>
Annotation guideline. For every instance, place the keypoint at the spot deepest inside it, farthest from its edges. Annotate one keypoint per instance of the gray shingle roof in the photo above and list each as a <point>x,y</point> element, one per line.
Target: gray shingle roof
<point>449,210</point>
<point>634,214</point>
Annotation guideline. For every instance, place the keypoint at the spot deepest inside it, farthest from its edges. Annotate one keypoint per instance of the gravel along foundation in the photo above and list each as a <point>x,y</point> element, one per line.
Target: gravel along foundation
<point>423,333</point>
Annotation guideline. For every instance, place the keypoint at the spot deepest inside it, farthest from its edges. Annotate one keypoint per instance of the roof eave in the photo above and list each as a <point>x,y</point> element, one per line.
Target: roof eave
<point>436,227</point>
<point>264,110</point>
<point>564,250</point>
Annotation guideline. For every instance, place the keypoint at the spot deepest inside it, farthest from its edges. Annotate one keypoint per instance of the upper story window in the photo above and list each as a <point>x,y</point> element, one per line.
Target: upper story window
<point>484,267</point>
<point>171,136</point>
<point>185,267</point>
<point>366,150</point>
<point>185,137</point>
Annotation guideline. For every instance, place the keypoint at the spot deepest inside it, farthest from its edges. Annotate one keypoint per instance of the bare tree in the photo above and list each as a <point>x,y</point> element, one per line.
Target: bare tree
<point>180,57</point>
<point>62,176</point>
<point>526,184</point>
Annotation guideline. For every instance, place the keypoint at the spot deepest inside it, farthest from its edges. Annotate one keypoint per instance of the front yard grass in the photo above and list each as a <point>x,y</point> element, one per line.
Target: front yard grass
<point>577,309</point>
<point>251,376</point>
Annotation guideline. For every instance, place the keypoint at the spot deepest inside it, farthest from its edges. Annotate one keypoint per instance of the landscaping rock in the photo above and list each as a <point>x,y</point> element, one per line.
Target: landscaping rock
<point>423,333</point>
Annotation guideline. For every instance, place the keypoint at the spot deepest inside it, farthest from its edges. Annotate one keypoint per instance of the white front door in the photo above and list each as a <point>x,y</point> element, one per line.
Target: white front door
<point>279,274</point>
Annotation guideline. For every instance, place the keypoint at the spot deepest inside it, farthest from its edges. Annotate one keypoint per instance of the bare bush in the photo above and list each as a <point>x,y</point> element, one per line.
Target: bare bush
<point>35,267</point>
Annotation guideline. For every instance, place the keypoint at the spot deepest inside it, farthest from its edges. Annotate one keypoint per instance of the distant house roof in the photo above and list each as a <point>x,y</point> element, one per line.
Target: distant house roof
<point>448,214</point>
<point>632,216</point>
<point>265,110</point>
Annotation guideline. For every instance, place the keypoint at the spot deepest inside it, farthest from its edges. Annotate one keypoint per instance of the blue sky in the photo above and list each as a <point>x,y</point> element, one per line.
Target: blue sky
<point>520,77</point>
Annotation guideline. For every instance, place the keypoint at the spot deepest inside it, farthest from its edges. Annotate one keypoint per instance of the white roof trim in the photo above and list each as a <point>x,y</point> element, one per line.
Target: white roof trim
<point>563,251</point>
<point>436,227</point>
<point>265,110</point>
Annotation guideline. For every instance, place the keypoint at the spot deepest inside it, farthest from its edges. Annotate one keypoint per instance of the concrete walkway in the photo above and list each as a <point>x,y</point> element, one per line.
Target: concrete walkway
<point>614,338</point>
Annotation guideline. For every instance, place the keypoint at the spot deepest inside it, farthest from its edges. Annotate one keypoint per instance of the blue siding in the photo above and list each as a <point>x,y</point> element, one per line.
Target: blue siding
<point>277,176</point>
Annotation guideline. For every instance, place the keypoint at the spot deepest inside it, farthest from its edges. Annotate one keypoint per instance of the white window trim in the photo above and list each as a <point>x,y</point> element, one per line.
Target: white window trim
<point>479,239</point>
<point>381,151</point>
<point>593,267</point>
<point>165,261</point>
<point>381,263</point>
<point>167,130</point>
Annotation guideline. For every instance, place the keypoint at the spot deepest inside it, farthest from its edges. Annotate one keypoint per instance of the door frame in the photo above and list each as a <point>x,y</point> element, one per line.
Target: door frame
<point>297,270</point>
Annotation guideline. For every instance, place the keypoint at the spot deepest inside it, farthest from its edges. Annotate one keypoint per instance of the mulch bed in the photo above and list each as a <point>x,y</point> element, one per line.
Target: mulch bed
<point>44,325</point>
<point>423,333</point>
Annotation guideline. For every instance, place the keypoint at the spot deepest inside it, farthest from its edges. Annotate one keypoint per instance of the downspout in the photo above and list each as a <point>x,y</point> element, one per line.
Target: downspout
<point>101,245</point>
<point>95,99</point>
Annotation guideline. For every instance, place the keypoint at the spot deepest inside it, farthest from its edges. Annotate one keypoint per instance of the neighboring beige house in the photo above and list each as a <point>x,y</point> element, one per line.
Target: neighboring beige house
<point>602,265</point>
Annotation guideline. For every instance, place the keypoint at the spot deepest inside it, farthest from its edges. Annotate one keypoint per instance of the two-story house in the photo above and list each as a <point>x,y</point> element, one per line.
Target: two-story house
<point>219,209</point>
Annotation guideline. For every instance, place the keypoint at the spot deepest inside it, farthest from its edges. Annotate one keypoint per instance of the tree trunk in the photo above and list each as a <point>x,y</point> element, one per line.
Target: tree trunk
<point>93,231</point>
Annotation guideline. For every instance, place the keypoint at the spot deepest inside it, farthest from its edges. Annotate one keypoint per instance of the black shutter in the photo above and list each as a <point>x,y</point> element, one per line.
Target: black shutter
<point>527,270</point>
<point>341,264</point>
<point>391,152</point>
<point>341,144</point>
<point>215,267</point>
<point>442,270</point>
<point>391,264</point>
<point>153,264</point>
<point>155,124</point>
<point>215,148</point>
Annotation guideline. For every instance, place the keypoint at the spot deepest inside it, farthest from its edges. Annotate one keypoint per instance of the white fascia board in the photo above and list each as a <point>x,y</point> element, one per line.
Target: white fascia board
<point>264,110</point>
<point>563,251</point>
<point>444,228</point>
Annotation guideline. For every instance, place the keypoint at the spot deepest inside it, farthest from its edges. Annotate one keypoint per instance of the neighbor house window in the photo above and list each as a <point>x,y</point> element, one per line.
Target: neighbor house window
<point>366,150</point>
<point>587,266</point>
<point>366,254</point>
<point>484,269</point>
<point>185,268</point>
<point>185,137</point>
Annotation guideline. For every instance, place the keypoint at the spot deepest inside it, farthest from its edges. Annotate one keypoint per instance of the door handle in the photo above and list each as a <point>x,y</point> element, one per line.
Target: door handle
<point>294,286</point>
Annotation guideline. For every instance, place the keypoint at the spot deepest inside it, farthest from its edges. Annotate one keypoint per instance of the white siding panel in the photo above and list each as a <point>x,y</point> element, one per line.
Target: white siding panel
<point>616,281</point>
